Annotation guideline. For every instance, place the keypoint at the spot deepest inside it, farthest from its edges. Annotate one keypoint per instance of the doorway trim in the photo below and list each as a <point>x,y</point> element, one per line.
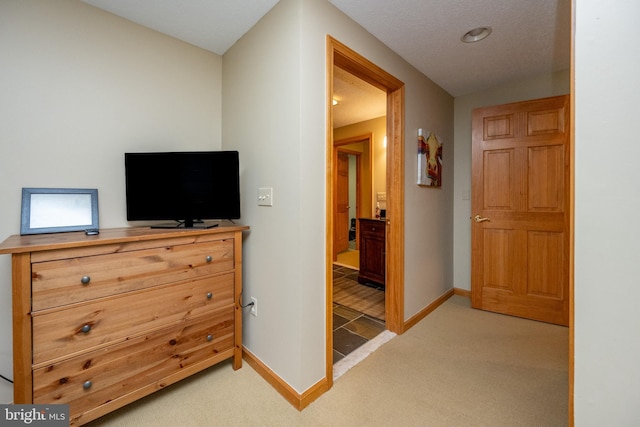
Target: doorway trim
<point>341,56</point>
<point>361,198</point>
<point>357,197</point>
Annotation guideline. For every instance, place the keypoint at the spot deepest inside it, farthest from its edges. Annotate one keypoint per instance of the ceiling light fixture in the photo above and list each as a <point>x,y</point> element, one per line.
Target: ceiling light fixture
<point>476,34</point>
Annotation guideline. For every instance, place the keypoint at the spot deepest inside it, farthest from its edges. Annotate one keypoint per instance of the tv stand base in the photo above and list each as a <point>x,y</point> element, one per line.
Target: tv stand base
<point>195,226</point>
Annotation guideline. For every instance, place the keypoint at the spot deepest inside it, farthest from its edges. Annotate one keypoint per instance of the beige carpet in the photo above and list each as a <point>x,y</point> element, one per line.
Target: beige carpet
<point>456,367</point>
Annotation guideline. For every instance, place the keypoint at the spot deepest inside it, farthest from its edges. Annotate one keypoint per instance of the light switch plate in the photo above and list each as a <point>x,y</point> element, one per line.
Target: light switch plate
<point>265,196</point>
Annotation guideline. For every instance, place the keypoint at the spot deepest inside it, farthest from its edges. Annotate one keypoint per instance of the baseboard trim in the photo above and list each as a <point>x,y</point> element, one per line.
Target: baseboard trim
<point>297,400</point>
<point>462,292</point>
<point>301,401</point>
<point>428,309</point>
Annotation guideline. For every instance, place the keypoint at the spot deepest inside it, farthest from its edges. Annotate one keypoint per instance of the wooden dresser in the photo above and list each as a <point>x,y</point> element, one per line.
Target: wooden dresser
<point>372,251</point>
<point>100,321</point>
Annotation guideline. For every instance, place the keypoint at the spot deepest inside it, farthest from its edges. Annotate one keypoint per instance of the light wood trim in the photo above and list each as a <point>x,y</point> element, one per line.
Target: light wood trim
<point>21,295</point>
<point>462,292</point>
<point>364,201</point>
<point>342,56</point>
<point>571,215</point>
<point>354,139</point>
<point>428,309</point>
<point>359,183</point>
<point>394,298</point>
<point>330,203</point>
<point>356,64</point>
<point>297,400</point>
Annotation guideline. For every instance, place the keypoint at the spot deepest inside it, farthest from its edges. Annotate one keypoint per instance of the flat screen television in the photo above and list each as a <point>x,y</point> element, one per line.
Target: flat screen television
<point>185,187</point>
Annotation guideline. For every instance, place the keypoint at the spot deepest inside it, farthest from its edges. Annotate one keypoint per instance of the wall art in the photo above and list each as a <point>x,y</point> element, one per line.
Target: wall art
<point>429,159</point>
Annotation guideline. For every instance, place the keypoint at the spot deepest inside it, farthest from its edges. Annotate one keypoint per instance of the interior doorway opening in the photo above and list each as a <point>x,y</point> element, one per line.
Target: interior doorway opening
<point>346,59</point>
<point>358,306</point>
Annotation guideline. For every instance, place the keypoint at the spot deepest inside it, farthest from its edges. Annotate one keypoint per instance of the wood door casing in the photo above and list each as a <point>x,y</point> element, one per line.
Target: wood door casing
<point>342,56</point>
<point>520,185</point>
<point>341,229</point>
<point>360,148</point>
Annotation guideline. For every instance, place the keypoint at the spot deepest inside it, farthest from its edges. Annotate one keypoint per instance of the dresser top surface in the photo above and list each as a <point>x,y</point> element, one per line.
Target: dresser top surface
<point>45,242</point>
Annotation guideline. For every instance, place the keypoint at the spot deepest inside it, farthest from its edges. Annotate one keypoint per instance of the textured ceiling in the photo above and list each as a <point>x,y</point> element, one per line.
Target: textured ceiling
<point>357,100</point>
<point>529,37</point>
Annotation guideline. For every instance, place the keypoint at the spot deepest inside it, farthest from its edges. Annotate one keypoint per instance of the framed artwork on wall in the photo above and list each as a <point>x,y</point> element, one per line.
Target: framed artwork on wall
<point>429,159</point>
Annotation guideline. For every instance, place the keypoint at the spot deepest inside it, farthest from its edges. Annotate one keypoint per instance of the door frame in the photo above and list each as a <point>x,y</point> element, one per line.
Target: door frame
<point>339,147</point>
<point>343,57</point>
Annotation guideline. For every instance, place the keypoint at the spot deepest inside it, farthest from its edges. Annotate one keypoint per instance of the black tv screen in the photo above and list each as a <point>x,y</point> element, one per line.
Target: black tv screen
<point>186,187</point>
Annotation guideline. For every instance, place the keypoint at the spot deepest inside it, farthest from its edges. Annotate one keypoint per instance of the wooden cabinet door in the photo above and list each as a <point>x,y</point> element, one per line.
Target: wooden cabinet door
<point>372,251</point>
<point>520,209</point>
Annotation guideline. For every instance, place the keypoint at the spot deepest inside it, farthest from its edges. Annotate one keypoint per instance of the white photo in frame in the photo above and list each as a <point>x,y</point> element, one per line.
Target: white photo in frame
<point>56,210</point>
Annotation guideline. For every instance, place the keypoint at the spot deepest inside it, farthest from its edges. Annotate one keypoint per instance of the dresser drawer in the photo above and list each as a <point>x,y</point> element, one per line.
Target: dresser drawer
<point>147,361</point>
<point>61,332</point>
<point>374,227</point>
<point>66,281</point>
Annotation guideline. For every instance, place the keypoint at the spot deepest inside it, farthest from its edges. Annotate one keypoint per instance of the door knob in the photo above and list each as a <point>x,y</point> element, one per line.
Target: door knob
<point>479,218</point>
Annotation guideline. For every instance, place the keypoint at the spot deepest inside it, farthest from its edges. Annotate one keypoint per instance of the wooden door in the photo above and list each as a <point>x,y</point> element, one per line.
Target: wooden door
<point>341,229</point>
<point>520,209</point>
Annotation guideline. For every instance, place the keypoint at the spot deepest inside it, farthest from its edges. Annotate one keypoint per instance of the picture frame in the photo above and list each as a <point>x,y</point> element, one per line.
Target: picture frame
<point>57,210</point>
<point>429,159</point>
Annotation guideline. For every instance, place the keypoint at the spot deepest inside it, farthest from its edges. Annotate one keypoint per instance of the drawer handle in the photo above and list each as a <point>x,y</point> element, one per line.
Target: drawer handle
<point>85,280</point>
<point>86,328</point>
<point>87,385</point>
<point>209,295</point>
<point>209,337</point>
<point>209,258</point>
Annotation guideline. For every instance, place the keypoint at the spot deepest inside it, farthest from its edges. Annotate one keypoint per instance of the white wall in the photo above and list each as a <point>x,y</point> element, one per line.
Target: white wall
<point>79,88</point>
<point>83,86</point>
<point>261,112</point>
<point>274,112</point>
<point>607,202</point>
<point>532,88</point>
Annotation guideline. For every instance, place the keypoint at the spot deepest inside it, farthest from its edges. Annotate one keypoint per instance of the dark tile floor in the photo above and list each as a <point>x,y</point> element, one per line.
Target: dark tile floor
<point>351,329</point>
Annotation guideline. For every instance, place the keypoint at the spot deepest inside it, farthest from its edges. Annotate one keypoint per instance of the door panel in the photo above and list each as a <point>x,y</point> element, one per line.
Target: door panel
<point>499,269</point>
<point>498,127</point>
<point>546,183</point>
<point>546,274</point>
<point>520,246</point>
<point>498,185</point>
